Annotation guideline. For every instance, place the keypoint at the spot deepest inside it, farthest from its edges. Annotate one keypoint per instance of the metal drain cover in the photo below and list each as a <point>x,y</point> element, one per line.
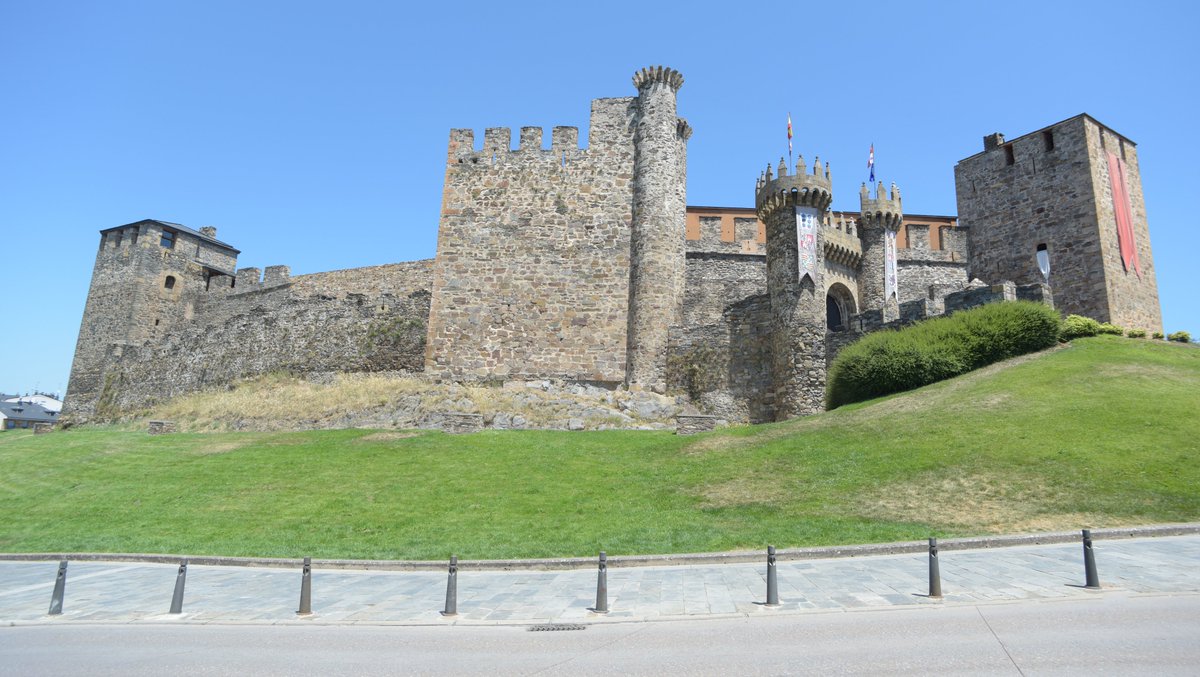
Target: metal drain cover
<point>551,627</point>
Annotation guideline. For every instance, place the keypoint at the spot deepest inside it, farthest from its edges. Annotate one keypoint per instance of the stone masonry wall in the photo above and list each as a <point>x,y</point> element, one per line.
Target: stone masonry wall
<point>1051,187</point>
<point>531,277</point>
<point>1132,299</point>
<point>726,364</point>
<point>367,319</point>
<point>140,292</point>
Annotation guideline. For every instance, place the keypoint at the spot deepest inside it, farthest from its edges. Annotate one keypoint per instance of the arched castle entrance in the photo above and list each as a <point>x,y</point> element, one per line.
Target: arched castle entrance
<point>839,306</point>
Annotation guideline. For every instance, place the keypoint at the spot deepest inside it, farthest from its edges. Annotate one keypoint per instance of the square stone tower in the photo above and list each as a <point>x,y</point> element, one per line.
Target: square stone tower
<point>1075,190</point>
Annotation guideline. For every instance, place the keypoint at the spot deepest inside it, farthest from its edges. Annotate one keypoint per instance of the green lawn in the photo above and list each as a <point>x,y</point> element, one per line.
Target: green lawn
<point>1102,433</point>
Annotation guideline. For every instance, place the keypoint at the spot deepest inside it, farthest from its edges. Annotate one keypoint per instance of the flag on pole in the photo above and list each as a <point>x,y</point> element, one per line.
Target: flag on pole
<point>789,134</point>
<point>871,163</point>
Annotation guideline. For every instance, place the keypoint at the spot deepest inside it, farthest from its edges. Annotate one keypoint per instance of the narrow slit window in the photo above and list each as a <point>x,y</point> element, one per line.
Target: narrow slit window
<point>1009,158</point>
<point>1048,139</point>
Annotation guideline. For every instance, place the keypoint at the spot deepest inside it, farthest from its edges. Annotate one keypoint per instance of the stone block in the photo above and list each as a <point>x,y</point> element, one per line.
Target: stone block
<point>161,427</point>
<point>690,424</point>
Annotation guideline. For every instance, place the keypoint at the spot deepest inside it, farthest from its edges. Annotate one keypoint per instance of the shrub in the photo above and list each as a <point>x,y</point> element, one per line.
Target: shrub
<point>1157,335</point>
<point>1078,326</point>
<point>1137,333</point>
<point>893,361</point>
<point>1106,328</point>
<point>1180,336</point>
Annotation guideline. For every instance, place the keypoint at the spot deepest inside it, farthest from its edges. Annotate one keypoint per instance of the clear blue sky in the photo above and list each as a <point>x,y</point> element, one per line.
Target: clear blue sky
<point>314,134</point>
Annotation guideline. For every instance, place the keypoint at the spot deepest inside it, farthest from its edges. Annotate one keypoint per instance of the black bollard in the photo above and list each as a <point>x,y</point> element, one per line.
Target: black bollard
<point>306,589</point>
<point>602,586</point>
<point>452,589</point>
<point>180,579</point>
<point>772,582</point>
<point>60,588</point>
<point>935,571</point>
<point>1089,562</point>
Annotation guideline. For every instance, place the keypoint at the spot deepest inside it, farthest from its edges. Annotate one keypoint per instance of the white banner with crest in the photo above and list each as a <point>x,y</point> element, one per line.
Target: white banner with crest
<point>807,222</point>
<point>890,269</point>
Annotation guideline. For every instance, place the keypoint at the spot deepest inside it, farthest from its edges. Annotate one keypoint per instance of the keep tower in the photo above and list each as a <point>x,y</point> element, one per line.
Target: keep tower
<point>793,209</point>
<point>146,281</point>
<point>1073,190</point>
<point>878,278</point>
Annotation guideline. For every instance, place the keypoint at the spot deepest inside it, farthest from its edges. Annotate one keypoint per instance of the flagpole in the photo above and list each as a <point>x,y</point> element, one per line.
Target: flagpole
<point>790,164</point>
<point>871,165</point>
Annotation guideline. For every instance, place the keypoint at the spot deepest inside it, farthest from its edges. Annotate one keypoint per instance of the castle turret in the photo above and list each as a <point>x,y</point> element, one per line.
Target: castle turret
<point>659,220</point>
<point>878,283</point>
<point>146,280</point>
<point>793,209</point>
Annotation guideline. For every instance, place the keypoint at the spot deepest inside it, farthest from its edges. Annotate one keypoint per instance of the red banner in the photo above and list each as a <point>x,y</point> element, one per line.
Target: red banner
<point>1116,181</point>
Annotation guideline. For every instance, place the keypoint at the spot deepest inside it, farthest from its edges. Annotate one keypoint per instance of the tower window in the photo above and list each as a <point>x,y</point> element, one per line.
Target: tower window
<point>170,282</point>
<point>1048,139</point>
<point>1009,158</point>
<point>168,239</point>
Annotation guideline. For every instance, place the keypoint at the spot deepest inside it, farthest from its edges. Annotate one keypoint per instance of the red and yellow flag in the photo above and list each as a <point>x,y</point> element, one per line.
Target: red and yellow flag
<point>789,133</point>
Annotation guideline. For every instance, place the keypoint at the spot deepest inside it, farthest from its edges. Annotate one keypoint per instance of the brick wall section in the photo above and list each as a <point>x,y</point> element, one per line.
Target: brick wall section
<point>1060,197</point>
<point>532,271</point>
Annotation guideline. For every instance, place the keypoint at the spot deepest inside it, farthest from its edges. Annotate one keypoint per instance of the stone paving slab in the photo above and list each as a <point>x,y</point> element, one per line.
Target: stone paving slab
<point>127,592</point>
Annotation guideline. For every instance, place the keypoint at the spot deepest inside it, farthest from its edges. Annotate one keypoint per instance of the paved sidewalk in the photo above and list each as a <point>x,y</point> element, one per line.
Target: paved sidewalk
<point>125,592</point>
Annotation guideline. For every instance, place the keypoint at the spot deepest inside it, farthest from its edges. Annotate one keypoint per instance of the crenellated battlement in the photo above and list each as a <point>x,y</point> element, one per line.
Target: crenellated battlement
<point>497,144</point>
<point>648,77</point>
<point>683,129</point>
<point>882,210</point>
<point>800,189</point>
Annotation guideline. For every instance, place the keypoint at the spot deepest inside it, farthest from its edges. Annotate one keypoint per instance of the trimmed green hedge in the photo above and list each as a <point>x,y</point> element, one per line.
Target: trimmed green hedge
<point>1078,326</point>
<point>892,361</point>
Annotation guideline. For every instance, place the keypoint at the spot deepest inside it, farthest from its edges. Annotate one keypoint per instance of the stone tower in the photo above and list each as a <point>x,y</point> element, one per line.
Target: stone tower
<point>566,262</point>
<point>147,278</point>
<point>1073,189</point>
<point>657,257</point>
<point>877,280</point>
<point>793,210</point>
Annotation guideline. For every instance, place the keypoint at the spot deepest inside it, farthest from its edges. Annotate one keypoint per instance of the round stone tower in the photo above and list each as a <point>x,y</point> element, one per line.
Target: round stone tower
<point>878,281</point>
<point>659,221</point>
<point>793,209</point>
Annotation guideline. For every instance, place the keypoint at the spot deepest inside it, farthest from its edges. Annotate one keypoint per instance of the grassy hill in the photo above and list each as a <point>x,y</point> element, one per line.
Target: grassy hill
<point>1105,432</point>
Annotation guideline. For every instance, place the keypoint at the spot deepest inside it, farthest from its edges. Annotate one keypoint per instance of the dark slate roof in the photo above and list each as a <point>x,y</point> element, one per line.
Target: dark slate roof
<point>181,228</point>
<point>28,412</point>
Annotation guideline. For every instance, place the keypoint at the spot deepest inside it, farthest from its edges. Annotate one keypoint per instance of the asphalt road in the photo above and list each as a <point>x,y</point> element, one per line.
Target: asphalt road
<point>1108,633</point>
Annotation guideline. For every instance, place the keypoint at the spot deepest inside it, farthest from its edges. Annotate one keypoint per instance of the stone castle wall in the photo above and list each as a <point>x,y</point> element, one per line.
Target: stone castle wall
<point>920,267</point>
<point>533,252</point>
<point>366,319</point>
<point>584,264</point>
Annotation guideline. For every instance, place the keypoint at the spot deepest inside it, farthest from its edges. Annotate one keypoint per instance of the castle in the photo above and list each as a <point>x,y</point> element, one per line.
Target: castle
<point>587,265</point>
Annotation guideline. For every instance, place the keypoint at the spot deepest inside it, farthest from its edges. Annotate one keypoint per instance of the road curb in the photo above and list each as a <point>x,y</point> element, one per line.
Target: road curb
<point>685,559</point>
